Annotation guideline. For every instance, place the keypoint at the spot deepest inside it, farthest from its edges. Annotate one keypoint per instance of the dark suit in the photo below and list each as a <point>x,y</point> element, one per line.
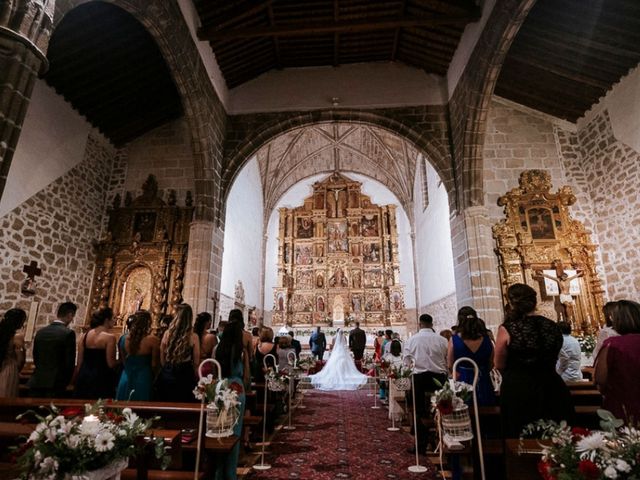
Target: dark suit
<point>54,356</point>
<point>318,344</point>
<point>297,347</point>
<point>357,342</point>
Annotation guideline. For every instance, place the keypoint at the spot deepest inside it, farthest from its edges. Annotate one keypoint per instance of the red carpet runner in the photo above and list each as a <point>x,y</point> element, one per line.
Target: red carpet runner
<point>339,436</point>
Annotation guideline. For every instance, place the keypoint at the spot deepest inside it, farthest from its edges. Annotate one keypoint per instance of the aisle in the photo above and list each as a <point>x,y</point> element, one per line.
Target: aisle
<point>339,436</point>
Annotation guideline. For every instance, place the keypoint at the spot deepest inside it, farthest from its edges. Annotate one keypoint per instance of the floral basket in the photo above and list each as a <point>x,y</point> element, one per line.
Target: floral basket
<point>457,424</point>
<point>110,472</point>
<point>276,381</point>
<point>402,384</point>
<point>220,421</point>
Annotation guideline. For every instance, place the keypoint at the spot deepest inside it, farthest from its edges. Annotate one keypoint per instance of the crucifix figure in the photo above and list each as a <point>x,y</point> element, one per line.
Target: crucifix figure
<point>336,193</point>
<point>563,280</point>
<point>32,271</point>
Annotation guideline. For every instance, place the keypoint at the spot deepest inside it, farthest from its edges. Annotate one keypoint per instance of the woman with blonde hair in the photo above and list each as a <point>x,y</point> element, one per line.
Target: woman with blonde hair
<point>179,357</point>
<point>12,354</point>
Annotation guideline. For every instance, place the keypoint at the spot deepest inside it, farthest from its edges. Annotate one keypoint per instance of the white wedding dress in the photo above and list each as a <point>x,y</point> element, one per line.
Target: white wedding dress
<point>339,373</point>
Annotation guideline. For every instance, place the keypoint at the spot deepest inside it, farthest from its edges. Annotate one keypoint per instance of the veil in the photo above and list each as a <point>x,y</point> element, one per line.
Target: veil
<point>340,372</point>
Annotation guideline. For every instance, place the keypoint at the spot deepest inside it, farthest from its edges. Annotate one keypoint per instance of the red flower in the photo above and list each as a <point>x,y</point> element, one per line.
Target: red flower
<point>545,470</point>
<point>579,432</point>
<point>236,387</point>
<point>445,407</point>
<point>71,412</point>
<point>589,469</point>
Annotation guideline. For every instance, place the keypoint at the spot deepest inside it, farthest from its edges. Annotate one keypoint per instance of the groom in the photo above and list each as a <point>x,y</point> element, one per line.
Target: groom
<point>357,342</point>
<point>318,343</point>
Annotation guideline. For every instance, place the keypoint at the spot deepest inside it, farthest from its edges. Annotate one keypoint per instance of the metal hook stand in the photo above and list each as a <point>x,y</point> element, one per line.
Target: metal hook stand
<point>295,363</point>
<point>417,468</point>
<point>409,364</point>
<point>199,445</point>
<point>262,465</point>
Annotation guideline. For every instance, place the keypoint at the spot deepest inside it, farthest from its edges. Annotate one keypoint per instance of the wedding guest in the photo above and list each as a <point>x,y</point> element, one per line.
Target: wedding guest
<point>12,351</point>
<point>230,353</point>
<point>526,351</point>
<point>394,359</point>
<point>430,353</point>
<point>265,347</point>
<point>295,344</point>
<point>284,348</point>
<point>235,315</point>
<point>54,355</point>
<point>471,341</point>
<point>179,357</point>
<point>97,361</point>
<point>568,365</point>
<point>606,331</point>
<point>163,325</point>
<point>140,355</point>
<point>618,364</point>
<point>206,339</point>
<point>446,333</point>
<point>377,345</point>
<point>388,336</point>
<point>220,330</point>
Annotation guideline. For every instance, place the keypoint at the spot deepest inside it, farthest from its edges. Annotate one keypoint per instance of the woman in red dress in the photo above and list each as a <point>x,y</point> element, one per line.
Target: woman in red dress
<point>377,345</point>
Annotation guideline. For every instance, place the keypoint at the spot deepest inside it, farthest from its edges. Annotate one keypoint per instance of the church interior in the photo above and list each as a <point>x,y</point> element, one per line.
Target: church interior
<point>317,164</point>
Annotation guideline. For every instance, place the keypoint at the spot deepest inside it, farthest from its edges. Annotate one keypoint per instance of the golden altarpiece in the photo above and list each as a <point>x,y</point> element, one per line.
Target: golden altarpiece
<point>538,243</point>
<point>338,260</point>
<point>141,261</point>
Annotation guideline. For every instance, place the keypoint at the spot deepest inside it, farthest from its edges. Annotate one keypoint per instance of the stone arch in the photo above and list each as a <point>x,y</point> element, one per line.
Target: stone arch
<point>203,110</point>
<point>257,131</point>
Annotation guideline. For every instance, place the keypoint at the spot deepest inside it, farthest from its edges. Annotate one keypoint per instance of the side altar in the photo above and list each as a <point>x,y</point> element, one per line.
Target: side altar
<point>338,260</point>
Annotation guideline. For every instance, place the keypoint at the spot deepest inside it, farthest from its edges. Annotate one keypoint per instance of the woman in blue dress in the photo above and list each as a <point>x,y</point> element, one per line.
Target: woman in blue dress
<point>140,354</point>
<point>234,365</point>
<point>471,341</point>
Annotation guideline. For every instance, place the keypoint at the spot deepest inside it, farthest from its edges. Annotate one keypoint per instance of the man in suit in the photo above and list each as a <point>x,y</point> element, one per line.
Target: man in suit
<point>296,345</point>
<point>54,355</point>
<point>318,343</point>
<point>357,342</point>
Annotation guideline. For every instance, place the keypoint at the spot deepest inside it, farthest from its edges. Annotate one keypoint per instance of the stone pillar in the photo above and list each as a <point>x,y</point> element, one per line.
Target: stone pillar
<point>475,264</point>
<point>25,29</point>
<point>204,265</point>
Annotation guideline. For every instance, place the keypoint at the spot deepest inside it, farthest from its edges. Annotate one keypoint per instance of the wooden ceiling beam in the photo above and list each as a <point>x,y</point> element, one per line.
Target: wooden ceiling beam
<point>539,103</point>
<point>276,41</point>
<point>336,35</point>
<point>559,71</point>
<point>217,35</point>
<point>396,34</point>
<point>558,93</point>
<point>242,13</point>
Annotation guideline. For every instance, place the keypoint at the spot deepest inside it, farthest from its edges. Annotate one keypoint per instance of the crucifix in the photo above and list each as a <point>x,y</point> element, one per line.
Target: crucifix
<point>32,271</point>
<point>336,193</point>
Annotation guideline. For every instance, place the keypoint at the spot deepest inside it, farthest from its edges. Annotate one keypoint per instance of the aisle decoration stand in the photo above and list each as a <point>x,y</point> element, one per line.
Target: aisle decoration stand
<point>401,379</point>
<point>262,465</point>
<point>417,468</point>
<point>292,360</point>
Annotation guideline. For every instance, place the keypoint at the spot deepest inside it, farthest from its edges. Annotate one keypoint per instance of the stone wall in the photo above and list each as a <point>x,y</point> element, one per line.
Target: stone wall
<point>612,170</point>
<point>444,312</point>
<point>55,227</point>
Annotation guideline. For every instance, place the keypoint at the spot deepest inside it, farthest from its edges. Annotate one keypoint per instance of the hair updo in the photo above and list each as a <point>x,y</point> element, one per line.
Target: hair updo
<point>522,300</point>
<point>100,317</point>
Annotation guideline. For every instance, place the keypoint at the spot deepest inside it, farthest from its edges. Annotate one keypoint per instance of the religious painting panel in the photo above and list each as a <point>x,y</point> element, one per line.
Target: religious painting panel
<point>319,279</point>
<point>355,229</point>
<point>304,227</point>
<point>338,278</point>
<point>303,319</point>
<point>356,303</point>
<point>304,279</point>
<point>371,252</point>
<point>319,250</point>
<point>320,304</point>
<point>372,278</point>
<point>303,302</point>
<point>373,302</point>
<point>145,224</point>
<point>356,276</point>
<point>369,226</point>
<point>376,319</point>
<point>303,255</point>
<point>277,318</point>
<point>337,237</point>
<point>280,301</point>
<point>396,301</point>
<point>136,291</point>
<point>541,225</point>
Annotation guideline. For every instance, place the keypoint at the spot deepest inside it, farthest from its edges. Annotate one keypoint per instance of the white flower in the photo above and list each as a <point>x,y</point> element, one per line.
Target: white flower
<point>622,466</point>
<point>610,472</point>
<point>91,428</point>
<point>37,456</point>
<point>588,446</point>
<point>104,441</point>
<point>127,411</point>
<point>49,465</point>
<point>73,441</point>
<point>50,434</point>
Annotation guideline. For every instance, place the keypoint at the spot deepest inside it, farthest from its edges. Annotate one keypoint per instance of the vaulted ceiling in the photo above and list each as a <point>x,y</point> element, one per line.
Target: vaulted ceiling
<point>250,37</point>
<point>306,151</point>
<point>110,69</point>
<point>568,53</point>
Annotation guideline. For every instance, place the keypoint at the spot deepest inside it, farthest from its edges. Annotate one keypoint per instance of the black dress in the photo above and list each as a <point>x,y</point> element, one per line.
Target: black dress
<point>95,378</point>
<point>176,381</point>
<point>531,388</point>
<point>259,373</point>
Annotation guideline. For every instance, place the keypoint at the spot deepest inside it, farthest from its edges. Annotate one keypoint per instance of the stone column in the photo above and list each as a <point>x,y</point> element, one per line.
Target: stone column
<point>25,29</point>
<point>475,264</point>
<point>204,265</point>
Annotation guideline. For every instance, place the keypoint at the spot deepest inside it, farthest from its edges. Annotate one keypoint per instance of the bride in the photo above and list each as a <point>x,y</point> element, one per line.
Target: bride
<point>340,372</point>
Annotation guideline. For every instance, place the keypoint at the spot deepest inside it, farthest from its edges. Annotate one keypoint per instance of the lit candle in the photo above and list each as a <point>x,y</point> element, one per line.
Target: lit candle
<point>91,419</point>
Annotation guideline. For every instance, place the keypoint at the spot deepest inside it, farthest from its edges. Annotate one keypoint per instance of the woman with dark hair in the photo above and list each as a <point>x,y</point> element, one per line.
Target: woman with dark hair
<point>471,341</point>
<point>607,331</point>
<point>526,351</point>
<point>377,345</point>
<point>11,351</point>
<point>97,358</point>
<point>179,357</point>
<point>140,355</point>
<point>230,354</point>
<point>618,363</point>
<point>207,340</point>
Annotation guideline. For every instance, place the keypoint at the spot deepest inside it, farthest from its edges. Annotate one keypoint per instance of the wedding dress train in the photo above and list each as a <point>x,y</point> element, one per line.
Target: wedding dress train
<point>339,373</point>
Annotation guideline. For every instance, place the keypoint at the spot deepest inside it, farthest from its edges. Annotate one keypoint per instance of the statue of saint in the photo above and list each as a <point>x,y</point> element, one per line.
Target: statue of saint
<point>563,280</point>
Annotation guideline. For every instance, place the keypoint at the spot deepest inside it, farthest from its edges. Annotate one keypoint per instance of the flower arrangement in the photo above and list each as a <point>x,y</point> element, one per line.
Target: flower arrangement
<point>451,397</point>
<point>277,381</point>
<point>587,344</point>
<point>399,371</point>
<point>306,363</point>
<point>222,393</point>
<point>580,454</point>
<point>66,444</point>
